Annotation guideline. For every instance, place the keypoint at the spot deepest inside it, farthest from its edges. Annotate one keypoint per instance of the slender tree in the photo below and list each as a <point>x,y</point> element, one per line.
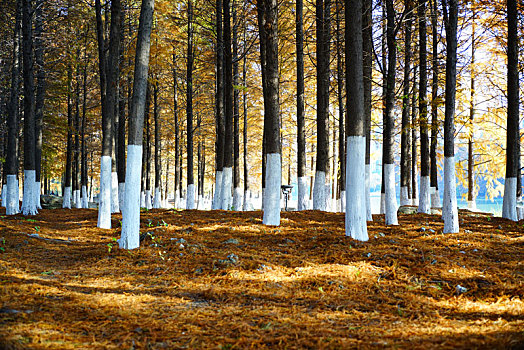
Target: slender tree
<point>40,95</point>
<point>341,195</point>
<point>247,205</point>
<point>269,26</point>
<point>435,125</point>
<point>158,165</point>
<point>414,138</point>
<point>66,200</point>
<point>509,206</point>
<point>424,205</point>
<point>83,171</point>
<point>367,46</point>
<point>130,237</point>
<point>449,209</point>
<point>471,165</point>
<point>76,151</point>
<point>11,166</point>
<point>405,128</point>
<point>301,129</point>
<point>237,191</point>
<point>190,204</point>
<point>178,171</point>
<point>28,202</point>
<point>356,226</point>
<point>323,23</point>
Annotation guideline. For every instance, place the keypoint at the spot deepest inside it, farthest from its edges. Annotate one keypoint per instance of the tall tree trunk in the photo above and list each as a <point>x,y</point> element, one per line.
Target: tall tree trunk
<point>424,205</point>
<point>219,110</point>
<point>301,126</point>
<point>320,196</point>
<point>83,170</point>
<point>388,158</point>
<point>130,238</point>
<point>384,93</point>
<point>509,207</point>
<point>414,138</point>
<point>341,194</point>
<point>121,125</point>
<point>356,226</point>
<point>367,46</point>
<point>28,202</point>
<point>227,175</point>
<point>12,202</point>
<point>178,170</point>
<point>435,196</point>
<point>247,205</point>
<point>190,204</point>
<point>147,171</point>
<point>471,165</point>
<point>269,27</point>
<point>405,129</point>
<point>40,95</point>
<point>158,165</point>
<point>449,208</point>
<point>66,200</point>
<point>76,152</point>
<point>237,192</point>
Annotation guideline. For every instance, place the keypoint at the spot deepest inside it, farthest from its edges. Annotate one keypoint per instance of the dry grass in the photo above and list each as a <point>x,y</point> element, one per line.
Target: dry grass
<point>300,285</point>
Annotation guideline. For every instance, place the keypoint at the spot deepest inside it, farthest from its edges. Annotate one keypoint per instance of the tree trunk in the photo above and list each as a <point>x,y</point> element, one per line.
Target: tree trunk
<point>247,205</point>
<point>147,171</point>
<point>341,193</point>
<point>471,165</point>
<point>449,208</point>
<point>12,202</point>
<point>435,196</point>
<point>83,168</point>
<point>320,197</point>
<point>367,46</point>
<point>269,26</point>
<point>76,153</point>
<point>121,125</point>
<point>356,226</point>
<point>40,96</point>
<point>509,207</point>
<point>237,192</point>
<point>178,170</point>
<point>66,200</point>
<point>301,129</point>
<point>388,158</point>
<point>405,129</point>
<point>190,204</point>
<point>424,205</point>
<point>414,137</point>
<point>158,165</point>
<point>219,105</point>
<point>130,237</point>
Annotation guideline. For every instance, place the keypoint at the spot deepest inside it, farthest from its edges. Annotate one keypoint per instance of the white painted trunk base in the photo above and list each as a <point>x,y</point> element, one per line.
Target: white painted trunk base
<point>121,194</point>
<point>225,193</point>
<point>104,198</point>
<point>142,199</point>
<point>217,198</point>
<point>130,236</point>
<point>12,205</point>
<point>115,204</point>
<point>435,199</point>
<point>390,195</point>
<point>302,193</point>
<point>37,195</point>
<point>509,202</point>
<point>200,203</point>
<point>66,199</point>
<point>342,201</point>
<point>157,203</point>
<point>247,205</point>
<point>369,217</point>
<point>4,195</point>
<point>237,199</point>
<point>28,201</point>
<point>356,225</point>
<point>272,191</point>
<point>414,199</point>
<point>190,200</point>
<point>78,200</point>
<point>177,199</point>
<point>382,203</point>
<point>424,205</point>
<point>404,200</point>
<point>149,200</point>
<point>319,191</point>
<point>85,200</point>
<point>449,206</point>
<point>472,205</point>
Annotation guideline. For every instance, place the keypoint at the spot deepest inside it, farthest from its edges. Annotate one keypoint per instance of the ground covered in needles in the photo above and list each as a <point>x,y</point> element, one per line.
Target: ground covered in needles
<point>222,280</point>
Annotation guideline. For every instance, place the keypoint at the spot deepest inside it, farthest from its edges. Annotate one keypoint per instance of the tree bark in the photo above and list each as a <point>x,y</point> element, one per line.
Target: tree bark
<point>190,204</point>
<point>340,96</point>
<point>247,194</point>
<point>301,126</point>
<point>40,94</point>
<point>219,106</point>
<point>405,129</point>
<point>178,170</point>
<point>158,146</point>
<point>228,88</point>
<point>237,195</point>
<point>435,197</point>
<point>367,46</point>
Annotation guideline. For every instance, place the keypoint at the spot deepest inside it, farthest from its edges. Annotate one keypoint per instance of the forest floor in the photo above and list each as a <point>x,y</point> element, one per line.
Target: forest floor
<point>222,280</point>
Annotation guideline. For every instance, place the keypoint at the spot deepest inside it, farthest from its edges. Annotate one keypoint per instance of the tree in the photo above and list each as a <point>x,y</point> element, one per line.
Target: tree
<point>509,206</point>
<point>367,56</point>
<point>435,197</point>
<point>268,24</point>
<point>28,202</point>
<point>190,204</point>
<point>158,166</point>
<point>247,205</point>
<point>449,208</point>
<point>11,168</point>
<point>356,225</point>
<point>340,97</point>
<point>40,95</point>
<point>388,158</point>
<point>130,237</point>
<point>471,165</point>
<point>301,131</point>
<point>237,191</point>
<point>178,170</point>
<point>227,172</point>
<point>320,195</point>
<point>424,205</point>
<point>66,200</point>
<point>405,170</point>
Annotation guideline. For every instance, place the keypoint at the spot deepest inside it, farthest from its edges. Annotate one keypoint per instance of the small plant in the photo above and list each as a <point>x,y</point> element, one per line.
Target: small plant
<point>164,223</point>
<point>110,245</point>
<point>2,248</point>
<point>37,228</point>
<point>31,220</point>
